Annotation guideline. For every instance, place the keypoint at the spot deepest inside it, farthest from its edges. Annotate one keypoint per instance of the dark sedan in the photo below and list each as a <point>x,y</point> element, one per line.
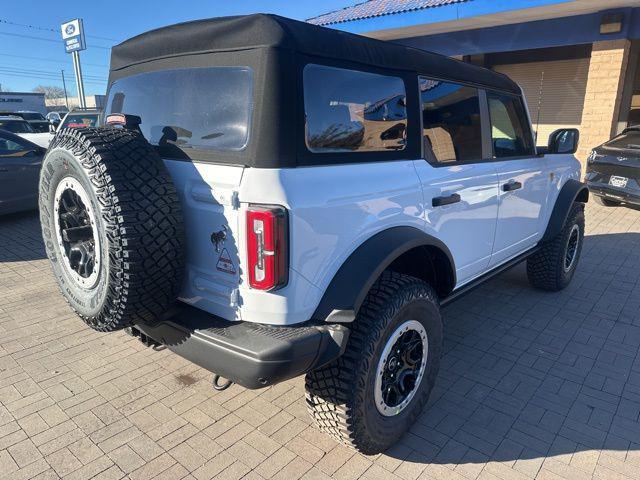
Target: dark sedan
<point>613,169</point>
<point>20,162</point>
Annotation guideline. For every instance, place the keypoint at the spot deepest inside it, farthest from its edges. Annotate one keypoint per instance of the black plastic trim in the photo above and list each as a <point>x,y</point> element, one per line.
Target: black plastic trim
<point>358,273</point>
<point>567,196</point>
<point>460,292</point>
<point>250,354</point>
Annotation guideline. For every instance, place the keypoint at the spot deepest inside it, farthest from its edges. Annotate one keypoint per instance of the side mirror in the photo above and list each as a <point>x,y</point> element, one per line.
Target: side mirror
<point>564,140</point>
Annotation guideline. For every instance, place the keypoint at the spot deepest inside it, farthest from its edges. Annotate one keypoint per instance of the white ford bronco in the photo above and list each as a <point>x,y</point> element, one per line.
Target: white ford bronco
<point>269,198</point>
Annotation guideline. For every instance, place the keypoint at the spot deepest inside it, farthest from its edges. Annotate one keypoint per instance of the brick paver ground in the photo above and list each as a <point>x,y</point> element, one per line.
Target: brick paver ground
<point>532,384</point>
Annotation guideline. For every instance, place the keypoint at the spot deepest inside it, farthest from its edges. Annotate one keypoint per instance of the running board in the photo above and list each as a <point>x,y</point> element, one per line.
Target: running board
<point>466,288</point>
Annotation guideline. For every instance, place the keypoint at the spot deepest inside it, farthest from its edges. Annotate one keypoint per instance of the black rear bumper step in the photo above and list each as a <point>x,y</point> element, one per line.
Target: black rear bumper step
<point>250,354</point>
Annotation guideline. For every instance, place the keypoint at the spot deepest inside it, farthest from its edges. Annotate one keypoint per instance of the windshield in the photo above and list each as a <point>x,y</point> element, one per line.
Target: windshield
<point>80,120</point>
<point>187,110</point>
<point>32,116</point>
<point>630,140</point>
<point>16,126</point>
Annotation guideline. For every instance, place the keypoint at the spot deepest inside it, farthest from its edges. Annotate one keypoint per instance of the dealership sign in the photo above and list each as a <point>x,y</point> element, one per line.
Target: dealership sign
<point>73,36</point>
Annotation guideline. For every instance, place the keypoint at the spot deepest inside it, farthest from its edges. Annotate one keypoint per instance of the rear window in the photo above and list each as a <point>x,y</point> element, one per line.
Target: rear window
<point>353,111</point>
<point>186,110</point>
<point>629,140</point>
<point>80,120</point>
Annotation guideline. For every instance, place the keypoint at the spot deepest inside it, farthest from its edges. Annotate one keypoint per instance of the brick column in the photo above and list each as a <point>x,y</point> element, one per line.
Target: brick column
<point>604,94</point>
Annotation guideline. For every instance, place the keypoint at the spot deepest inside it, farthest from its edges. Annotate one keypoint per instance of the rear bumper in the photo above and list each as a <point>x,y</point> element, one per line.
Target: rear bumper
<point>252,355</point>
<point>613,193</point>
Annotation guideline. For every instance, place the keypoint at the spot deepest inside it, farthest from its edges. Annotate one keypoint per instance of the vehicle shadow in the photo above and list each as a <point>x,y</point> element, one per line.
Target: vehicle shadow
<point>528,374</point>
<point>20,237</point>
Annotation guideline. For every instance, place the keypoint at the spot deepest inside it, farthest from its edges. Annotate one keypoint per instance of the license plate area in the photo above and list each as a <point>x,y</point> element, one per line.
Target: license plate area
<point>620,182</point>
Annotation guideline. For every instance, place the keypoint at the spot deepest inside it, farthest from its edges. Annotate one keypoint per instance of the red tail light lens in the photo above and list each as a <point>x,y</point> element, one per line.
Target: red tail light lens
<point>267,251</point>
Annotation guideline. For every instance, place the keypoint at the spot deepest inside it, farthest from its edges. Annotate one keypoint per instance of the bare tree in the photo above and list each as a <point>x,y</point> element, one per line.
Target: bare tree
<point>50,91</point>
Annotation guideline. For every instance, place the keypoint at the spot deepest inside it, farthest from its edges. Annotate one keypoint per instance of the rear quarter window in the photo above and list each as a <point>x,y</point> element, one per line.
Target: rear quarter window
<point>353,111</point>
<point>184,111</point>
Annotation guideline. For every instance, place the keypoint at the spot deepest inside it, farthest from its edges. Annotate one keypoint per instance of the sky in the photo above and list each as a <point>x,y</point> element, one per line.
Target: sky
<point>32,52</point>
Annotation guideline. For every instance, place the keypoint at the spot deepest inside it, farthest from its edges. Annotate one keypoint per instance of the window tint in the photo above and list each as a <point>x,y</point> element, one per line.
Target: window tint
<point>10,147</point>
<point>80,120</point>
<point>510,132</point>
<point>352,111</point>
<point>16,126</point>
<point>450,121</point>
<point>188,109</point>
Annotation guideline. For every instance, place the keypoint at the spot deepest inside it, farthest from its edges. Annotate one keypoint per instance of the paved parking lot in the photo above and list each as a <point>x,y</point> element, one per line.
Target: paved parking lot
<point>532,385</point>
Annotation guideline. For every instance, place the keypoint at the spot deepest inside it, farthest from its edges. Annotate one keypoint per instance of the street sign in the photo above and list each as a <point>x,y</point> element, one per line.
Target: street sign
<point>73,36</point>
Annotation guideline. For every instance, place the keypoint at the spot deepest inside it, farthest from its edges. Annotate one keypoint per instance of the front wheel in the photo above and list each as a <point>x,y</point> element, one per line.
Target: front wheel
<point>553,266</point>
<point>372,394</point>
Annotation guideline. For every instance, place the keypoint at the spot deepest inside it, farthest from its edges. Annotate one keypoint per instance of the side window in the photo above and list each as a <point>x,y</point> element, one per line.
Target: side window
<point>11,148</point>
<point>451,128</point>
<point>353,111</point>
<point>510,131</point>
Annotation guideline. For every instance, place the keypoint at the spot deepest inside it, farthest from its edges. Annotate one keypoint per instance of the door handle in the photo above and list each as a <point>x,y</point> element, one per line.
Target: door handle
<point>4,169</point>
<point>446,200</point>
<point>511,186</point>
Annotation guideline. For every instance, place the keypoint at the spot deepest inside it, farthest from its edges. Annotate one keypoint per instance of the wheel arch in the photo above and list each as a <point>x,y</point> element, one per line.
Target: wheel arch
<point>572,191</point>
<point>405,250</point>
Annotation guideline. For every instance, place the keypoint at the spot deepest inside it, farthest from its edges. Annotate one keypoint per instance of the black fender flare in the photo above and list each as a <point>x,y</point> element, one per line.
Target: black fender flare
<point>572,191</point>
<point>349,286</point>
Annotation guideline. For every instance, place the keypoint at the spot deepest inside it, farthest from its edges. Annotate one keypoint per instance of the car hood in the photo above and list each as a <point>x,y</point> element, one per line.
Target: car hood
<point>40,139</point>
<point>615,156</point>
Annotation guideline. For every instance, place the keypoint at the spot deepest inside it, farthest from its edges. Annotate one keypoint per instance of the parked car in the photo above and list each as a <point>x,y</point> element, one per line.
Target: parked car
<point>22,128</point>
<point>271,198</point>
<point>20,162</point>
<point>55,118</point>
<point>37,121</point>
<point>613,169</point>
<point>81,118</point>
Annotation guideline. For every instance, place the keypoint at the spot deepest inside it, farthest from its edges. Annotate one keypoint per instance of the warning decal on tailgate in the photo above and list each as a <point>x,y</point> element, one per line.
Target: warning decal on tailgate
<point>225,264</point>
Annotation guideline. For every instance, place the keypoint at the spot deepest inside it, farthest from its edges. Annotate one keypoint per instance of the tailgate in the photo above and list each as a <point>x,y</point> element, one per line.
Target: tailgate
<point>209,197</point>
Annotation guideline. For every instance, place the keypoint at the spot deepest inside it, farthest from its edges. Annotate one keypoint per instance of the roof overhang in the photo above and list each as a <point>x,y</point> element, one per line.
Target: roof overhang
<point>473,15</point>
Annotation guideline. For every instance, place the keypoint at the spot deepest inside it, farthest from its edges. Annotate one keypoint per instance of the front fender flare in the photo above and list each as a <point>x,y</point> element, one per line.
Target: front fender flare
<point>572,191</point>
<point>358,273</point>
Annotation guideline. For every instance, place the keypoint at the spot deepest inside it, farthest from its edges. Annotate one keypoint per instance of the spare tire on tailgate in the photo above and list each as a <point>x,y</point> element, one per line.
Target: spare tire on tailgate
<point>112,226</point>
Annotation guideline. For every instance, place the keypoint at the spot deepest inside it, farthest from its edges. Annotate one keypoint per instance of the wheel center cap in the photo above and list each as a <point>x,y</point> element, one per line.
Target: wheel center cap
<point>393,364</point>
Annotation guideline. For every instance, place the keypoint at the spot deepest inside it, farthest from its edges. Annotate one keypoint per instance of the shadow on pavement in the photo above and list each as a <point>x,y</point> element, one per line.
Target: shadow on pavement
<point>528,374</point>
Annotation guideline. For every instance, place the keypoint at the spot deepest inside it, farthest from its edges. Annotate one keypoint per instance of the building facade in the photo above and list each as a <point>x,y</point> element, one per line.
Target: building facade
<point>576,60</point>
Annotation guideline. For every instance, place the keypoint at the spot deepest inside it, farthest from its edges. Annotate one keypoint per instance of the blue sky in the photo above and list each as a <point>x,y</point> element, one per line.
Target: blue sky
<point>31,54</point>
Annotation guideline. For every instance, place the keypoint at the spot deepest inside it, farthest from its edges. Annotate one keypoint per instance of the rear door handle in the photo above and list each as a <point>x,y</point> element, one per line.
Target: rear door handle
<point>511,186</point>
<point>446,200</point>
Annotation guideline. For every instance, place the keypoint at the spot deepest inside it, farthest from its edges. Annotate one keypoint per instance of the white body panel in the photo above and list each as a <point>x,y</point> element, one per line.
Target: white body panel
<point>468,227</point>
<point>521,219</point>
<point>41,139</point>
<point>335,209</point>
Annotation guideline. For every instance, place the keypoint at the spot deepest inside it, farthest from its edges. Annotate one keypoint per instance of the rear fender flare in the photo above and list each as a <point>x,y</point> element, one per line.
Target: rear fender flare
<point>348,288</point>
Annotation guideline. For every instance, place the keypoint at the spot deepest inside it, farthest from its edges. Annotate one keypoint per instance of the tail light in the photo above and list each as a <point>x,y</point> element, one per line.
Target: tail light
<point>267,249</point>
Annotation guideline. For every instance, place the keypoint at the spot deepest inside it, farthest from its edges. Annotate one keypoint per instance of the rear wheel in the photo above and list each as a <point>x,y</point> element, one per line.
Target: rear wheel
<point>372,394</point>
<point>112,226</point>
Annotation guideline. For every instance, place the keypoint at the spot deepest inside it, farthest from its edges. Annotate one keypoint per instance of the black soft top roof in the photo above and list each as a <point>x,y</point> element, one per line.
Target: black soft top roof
<point>272,31</point>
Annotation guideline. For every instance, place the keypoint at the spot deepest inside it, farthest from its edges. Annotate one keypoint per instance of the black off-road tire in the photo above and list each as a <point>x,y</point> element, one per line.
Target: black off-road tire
<point>340,396</point>
<point>138,221</point>
<point>605,202</point>
<point>546,268</point>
